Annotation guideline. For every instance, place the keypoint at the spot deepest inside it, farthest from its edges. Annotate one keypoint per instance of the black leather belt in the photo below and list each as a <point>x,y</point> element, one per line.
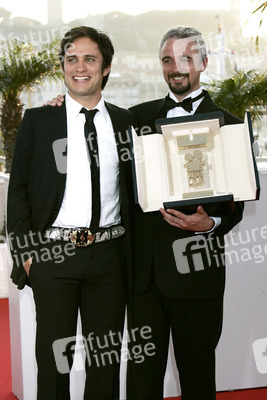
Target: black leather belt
<point>83,237</point>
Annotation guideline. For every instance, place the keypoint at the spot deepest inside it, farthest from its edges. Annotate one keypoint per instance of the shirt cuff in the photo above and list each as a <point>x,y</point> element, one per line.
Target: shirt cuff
<point>217,222</point>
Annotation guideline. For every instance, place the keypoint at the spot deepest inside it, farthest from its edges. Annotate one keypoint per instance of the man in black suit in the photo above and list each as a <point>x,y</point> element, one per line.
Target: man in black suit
<point>69,222</point>
<point>189,305</point>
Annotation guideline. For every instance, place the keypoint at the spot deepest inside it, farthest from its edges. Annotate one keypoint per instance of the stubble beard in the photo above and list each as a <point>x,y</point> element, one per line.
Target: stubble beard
<point>178,88</point>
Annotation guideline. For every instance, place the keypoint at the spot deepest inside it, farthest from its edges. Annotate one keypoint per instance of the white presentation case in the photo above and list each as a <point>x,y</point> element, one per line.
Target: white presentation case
<point>195,160</point>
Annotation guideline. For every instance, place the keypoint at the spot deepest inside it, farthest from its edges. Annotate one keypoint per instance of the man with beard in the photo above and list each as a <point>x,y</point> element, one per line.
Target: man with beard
<point>190,306</point>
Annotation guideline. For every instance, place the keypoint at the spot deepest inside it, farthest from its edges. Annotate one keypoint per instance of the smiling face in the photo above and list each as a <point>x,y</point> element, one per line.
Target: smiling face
<point>83,71</point>
<point>182,66</point>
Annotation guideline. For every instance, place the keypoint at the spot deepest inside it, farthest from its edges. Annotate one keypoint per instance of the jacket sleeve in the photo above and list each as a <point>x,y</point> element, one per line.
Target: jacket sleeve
<point>19,204</point>
<point>230,220</point>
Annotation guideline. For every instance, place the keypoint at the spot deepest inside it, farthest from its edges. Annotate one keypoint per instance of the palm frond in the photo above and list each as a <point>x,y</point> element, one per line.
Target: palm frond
<point>259,9</point>
<point>23,66</point>
<point>243,91</point>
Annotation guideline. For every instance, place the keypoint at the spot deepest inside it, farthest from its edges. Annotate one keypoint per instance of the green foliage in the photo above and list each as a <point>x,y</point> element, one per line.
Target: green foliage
<point>22,67</point>
<point>244,91</point>
<point>261,9</point>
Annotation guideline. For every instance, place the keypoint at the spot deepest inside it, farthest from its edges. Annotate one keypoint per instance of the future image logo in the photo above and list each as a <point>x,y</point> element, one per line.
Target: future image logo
<point>103,350</point>
<point>195,253</point>
<point>64,350</point>
<point>60,154</point>
<point>260,355</point>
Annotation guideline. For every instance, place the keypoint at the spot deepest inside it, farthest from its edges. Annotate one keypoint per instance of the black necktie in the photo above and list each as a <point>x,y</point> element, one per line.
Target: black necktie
<point>186,103</point>
<point>91,140</point>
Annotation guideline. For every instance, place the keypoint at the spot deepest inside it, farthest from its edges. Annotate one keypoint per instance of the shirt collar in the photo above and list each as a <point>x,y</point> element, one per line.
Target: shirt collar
<point>74,107</point>
<point>193,94</point>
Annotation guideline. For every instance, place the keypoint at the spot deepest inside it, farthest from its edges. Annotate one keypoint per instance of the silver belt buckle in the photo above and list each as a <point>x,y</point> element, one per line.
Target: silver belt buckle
<point>81,237</point>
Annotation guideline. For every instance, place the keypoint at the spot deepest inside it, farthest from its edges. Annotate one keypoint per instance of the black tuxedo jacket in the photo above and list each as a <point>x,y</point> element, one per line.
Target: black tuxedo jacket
<point>36,187</point>
<point>154,237</point>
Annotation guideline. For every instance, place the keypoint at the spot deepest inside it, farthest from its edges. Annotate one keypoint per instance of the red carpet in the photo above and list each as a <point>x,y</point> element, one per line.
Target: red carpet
<point>5,368</point>
<point>255,394</point>
<point>5,365</point>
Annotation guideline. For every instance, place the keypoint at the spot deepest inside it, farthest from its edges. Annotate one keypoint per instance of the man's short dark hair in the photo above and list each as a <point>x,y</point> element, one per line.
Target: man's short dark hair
<point>101,38</point>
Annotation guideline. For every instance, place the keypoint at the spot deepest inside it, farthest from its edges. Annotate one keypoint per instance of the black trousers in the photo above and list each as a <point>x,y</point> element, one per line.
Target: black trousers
<point>195,326</point>
<point>93,281</point>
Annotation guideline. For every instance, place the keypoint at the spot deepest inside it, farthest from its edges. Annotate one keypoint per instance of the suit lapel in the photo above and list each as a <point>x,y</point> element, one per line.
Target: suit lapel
<point>120,122</point>
<point>157,113</point>
<point>58,122</point>
<point>115,117</point>
<point>206,105</point>
<point>58,130</point>
<point>120,126</point>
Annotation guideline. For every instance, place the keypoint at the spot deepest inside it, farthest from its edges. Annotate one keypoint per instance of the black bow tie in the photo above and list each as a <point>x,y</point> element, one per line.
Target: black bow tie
<point>186,103</point>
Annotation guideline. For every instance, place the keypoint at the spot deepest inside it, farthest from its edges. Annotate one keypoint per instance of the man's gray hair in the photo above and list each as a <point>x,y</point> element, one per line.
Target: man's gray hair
<point>182,32</point>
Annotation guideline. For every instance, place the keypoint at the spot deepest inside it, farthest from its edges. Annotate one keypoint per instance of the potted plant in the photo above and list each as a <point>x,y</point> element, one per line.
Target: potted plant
<point>22,67</point>
<point>244,91</point>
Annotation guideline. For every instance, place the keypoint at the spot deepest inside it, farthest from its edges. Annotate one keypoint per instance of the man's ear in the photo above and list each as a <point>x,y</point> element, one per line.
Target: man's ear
<point>204,64</point>
<point>106,71</point>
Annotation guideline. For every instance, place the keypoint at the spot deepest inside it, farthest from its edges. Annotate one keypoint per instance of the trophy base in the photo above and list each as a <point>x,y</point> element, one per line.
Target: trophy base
<point>214,205</point>
<point>202,193</point>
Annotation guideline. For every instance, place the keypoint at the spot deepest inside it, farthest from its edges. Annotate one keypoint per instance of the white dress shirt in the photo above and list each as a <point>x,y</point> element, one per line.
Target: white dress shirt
<point>180,112</point>
<point>76,208</point>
